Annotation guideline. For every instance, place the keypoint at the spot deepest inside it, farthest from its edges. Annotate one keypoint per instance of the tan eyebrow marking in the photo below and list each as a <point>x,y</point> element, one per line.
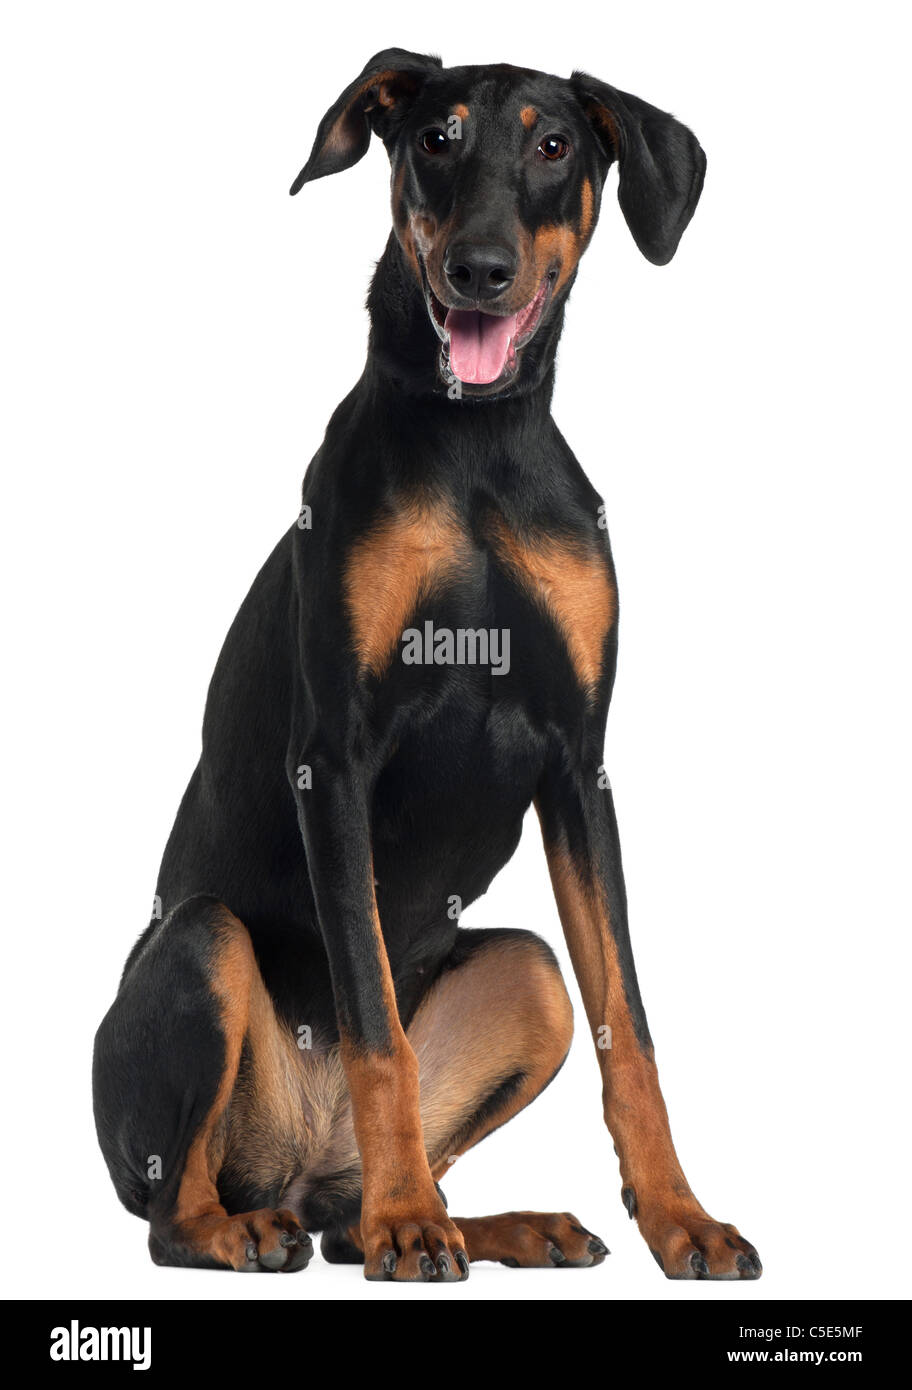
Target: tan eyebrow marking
<point>528,115</point>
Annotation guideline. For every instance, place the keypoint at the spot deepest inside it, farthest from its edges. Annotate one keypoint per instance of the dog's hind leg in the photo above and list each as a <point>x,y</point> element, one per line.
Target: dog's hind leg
<point>489,1035</point>
<point>166,1062</point>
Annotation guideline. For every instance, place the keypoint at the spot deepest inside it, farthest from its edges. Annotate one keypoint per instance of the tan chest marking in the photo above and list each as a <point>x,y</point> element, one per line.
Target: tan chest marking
<point>574,587</point>
<point>401,560</point>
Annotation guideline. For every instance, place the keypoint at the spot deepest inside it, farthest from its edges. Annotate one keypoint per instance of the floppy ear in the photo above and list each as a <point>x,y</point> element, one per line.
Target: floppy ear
<point>661,164</point>
<point>388,83</point>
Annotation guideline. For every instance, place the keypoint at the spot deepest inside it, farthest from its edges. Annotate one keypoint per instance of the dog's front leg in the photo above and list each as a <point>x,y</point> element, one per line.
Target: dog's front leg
<point>405,1231</point>
<point>576,810</point>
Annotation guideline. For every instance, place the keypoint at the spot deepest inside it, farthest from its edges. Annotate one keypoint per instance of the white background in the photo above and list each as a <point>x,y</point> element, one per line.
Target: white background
<point>176,332</point>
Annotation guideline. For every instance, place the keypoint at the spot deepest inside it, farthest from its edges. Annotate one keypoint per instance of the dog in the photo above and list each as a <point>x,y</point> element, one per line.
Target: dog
<point>304,1038</point>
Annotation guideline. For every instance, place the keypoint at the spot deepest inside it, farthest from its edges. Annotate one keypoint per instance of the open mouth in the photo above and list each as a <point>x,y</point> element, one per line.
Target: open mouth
<point>481,348</point>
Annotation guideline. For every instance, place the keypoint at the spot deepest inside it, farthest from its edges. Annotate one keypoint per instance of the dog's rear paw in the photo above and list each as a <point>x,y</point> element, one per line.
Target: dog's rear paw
<point>256,1241</point>
<point>533,1240</point>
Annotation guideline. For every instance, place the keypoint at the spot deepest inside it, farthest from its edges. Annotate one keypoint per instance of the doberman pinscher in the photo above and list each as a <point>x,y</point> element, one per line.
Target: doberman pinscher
<point>304,1038</point>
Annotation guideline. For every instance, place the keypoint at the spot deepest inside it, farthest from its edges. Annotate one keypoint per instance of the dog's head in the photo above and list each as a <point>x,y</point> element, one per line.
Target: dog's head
<point>497,174</point>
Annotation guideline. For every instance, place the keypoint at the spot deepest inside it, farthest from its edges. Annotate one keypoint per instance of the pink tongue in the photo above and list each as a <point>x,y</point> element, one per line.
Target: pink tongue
<point>479,344</point>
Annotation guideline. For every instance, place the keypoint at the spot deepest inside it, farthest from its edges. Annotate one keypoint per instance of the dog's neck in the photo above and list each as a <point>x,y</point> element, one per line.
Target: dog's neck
<point>422,436</point>
<point>403,348</point>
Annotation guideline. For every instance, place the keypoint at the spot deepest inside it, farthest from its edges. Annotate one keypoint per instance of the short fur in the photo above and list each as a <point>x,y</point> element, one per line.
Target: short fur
<point>305,1037</point>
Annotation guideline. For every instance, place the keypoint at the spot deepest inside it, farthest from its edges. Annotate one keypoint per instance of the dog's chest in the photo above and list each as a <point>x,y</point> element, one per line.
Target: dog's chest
<point>423,591</point>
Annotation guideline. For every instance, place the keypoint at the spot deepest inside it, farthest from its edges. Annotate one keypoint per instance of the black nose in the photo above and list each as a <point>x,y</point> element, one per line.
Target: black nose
<point>478,270</point>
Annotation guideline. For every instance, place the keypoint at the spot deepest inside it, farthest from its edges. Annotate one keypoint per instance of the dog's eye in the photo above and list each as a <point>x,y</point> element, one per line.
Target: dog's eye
<point>434,141</point>
<point>554,147</point>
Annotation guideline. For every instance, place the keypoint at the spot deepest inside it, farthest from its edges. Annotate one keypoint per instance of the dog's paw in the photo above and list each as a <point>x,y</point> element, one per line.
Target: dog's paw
<point>688,1244</point>
<point>262,1241</point>
<point>418,1249</point>
<point>533,1240</point>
